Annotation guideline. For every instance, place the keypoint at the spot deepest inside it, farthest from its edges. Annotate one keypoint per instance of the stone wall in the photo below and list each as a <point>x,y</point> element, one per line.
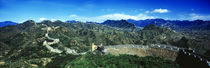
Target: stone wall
<point>185,57</point>
<point>141,51</point>
<point>163,53</point>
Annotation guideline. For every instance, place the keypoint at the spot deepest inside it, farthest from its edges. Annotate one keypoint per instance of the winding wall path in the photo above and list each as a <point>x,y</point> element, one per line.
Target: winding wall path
<point>55,41</point>
<point>166,51</point>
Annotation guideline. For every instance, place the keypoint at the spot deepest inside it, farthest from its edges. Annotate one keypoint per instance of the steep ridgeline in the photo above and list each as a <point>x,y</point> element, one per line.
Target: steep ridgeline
<point>197,31</point>
<point>174,24</point>
<point>71,21</point>
<point>123,24</point>
<point>55,41</point>
<point>184,57</point>
<point>37,44</point>
<point>17,40</point>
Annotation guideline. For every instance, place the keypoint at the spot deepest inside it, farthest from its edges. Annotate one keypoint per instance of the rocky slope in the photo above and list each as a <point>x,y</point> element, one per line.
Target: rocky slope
<point>123,24</point>
<point>174,24</point>
<point>22,45</point>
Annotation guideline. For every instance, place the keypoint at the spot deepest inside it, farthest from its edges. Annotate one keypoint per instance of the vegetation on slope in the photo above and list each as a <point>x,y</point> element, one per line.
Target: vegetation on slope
<point>20,39</point>
<point>123,61</point>
<point>23,44</point>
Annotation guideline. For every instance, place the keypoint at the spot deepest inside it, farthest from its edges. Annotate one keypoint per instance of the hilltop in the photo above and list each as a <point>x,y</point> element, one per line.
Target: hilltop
<point>197,32</point>
<point>44,43</point>
<point>120,24</point>
<point>174,24</point>
<point>25,41</point>
<point>7,23</point>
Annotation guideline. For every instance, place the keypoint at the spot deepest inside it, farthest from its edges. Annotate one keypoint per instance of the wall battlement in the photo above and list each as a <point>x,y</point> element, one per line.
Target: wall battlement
<point>185,57</point>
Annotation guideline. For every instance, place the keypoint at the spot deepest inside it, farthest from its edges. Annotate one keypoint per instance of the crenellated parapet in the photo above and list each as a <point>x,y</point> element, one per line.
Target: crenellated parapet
<point>159,50</point>
<point>48,44</point>
<point>189,55</point>
<point>189,58</point>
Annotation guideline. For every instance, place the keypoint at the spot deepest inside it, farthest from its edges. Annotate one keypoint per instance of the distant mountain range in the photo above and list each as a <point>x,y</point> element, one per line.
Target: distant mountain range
<point>177,25</point>
<point>123,24</point>
<point>119,23</point>
<point>72,21</point>
<point>174,24</point>
<point>29,37</point>
<point>24,46</point>
<point>6,23</point>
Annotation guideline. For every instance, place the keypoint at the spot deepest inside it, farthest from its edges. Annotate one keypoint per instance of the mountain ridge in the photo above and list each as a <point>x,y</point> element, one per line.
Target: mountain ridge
<point>7,23</point>
<point>25,42</point>
<point>174,24</point>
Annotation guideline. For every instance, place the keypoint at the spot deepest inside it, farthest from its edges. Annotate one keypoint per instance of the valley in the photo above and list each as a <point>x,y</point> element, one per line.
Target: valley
<point>46,44</point>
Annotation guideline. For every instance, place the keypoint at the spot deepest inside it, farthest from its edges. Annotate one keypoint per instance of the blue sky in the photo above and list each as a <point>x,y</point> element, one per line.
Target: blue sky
<point>100,10</point>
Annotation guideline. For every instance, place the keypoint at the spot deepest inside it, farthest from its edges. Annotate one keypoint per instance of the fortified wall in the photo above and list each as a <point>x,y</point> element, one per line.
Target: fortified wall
<point>141,51</point>
<point>184,57</point>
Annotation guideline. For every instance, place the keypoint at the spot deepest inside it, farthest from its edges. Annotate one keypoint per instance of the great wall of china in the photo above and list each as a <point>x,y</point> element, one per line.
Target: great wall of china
<point>181,55</point>
<point>165,51</point>
<point>55,41</point>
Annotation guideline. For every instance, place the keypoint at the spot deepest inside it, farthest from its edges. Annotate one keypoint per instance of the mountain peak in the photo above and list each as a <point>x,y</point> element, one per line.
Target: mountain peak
<point>119,23</point>
<point>46,21</point>
<point>71,21</point>
<point>57,21</point>
<point>29,21</point>
<point>150,27</point>
<point>6,23</point>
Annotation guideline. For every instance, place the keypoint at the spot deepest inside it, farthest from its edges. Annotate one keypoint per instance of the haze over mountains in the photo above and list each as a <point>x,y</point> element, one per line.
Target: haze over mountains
<point>173,24</point>
<point>6,23</point>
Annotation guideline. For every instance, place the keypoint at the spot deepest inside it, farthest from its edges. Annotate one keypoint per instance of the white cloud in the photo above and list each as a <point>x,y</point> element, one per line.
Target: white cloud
<point>53,20</point>
<point>194,16</point>
<point>147,11</point>
<point>116,16</point>
<point>41,19</point>
<point>160,11</point>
